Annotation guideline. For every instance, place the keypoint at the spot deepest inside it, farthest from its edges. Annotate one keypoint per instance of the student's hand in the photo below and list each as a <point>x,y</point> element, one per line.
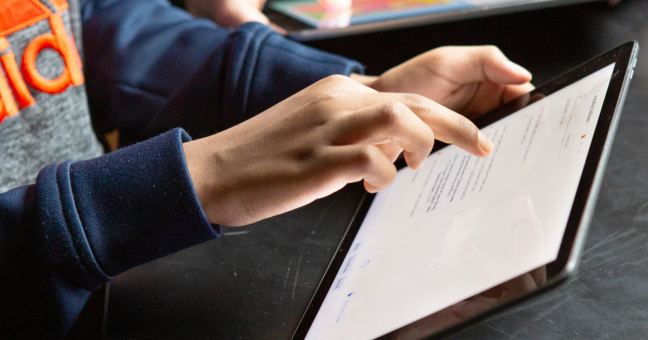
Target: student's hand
<point>233,13</point>
<point>312,144</point>
<point>501,294</point>
<point>335,5</point>
<point>228,13</point>
<point>469,80</point>
<point>464,310</point>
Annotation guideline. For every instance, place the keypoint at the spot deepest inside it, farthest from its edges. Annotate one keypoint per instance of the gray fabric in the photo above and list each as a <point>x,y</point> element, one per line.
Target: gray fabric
<point>57,128</point>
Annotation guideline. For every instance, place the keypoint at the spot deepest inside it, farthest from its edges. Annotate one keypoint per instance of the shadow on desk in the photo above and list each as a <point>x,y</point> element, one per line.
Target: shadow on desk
<point>89,324</point>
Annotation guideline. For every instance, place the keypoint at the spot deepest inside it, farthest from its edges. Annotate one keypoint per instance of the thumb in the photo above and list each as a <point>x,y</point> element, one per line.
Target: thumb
<point>482,63</point>
<point>499,69</point>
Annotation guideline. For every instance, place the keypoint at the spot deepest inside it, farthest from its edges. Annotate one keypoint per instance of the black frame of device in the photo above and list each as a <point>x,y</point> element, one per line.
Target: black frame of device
<point>302,31</point>
<point>563,268</point>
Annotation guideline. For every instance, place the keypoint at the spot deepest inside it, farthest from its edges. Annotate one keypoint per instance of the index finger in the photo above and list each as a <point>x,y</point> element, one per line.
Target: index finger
<point>447,125</point>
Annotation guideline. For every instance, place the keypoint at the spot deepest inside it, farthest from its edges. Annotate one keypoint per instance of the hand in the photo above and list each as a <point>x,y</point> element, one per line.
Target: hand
<point>335,5</point>
<point>501,294</point>
<point>464,310</point>
<point>469,80</point>
<point>228,13</point>
<point>233,13</point>
<point>312,144</point>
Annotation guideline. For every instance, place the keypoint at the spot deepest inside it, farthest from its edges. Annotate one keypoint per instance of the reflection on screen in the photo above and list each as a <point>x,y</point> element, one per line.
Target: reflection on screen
<point>461,227</point>
<point>345,13</point>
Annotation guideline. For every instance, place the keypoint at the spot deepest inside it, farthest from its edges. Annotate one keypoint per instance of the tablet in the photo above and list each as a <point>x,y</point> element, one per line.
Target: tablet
<point>307,19</point>
<point>465,237</point>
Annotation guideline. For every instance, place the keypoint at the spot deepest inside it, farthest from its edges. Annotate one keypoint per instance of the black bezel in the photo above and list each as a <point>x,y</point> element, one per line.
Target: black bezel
<point>563,267</point>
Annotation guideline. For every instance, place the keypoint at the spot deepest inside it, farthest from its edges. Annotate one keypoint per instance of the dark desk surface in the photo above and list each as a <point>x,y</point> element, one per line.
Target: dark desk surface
<point>255,282</point>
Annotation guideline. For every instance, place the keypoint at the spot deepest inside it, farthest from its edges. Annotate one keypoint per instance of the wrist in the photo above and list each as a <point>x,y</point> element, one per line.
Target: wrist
<point>201,166</point>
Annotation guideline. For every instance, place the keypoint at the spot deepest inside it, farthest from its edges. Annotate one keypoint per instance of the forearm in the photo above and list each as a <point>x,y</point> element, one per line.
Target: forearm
<point>255,69</point>
<point>138,54</point>
<point>143,55</point>
<point>84,222</point>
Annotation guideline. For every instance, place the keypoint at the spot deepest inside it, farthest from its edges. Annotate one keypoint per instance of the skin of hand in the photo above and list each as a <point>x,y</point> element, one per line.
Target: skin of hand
<point>314,143</point>
<point>233,13</point>
<point>228,13</point>
<point>501,294</point>
<point>473,306</point>
<point>470,80</point>
<point>335,5</point>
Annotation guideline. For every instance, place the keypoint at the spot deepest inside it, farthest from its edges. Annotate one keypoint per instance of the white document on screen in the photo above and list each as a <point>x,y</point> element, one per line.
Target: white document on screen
<point>461,224</point>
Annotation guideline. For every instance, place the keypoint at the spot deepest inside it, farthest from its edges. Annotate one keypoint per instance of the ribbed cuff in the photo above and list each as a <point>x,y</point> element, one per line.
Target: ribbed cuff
<point>112,213</point>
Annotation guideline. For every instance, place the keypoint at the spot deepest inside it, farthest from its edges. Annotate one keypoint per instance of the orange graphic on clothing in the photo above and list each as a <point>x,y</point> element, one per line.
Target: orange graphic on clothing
<point>14,16</point>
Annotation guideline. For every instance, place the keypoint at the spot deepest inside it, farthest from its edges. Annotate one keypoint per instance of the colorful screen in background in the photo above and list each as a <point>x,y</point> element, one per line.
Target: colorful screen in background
<point>367,11</point>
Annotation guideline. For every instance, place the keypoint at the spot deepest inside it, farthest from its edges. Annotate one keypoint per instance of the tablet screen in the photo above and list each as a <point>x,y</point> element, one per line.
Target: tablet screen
<point>368,11</point>
<point>462,225</point>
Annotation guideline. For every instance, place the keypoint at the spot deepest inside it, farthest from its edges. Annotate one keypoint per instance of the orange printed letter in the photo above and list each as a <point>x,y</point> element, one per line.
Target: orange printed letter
<point>12,72</point>
<point>7,104</point>
<point>60,42</point>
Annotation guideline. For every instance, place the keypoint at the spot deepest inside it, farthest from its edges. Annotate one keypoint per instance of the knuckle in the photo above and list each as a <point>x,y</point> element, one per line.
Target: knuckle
<point>493,51</point>
<point>428,141</point>
<point>422,106</point>
<point>446,54</point>
<point>440,54</point>
<point>365,158</point>
<point>390,113</point>
<point>335,79</point>
<point>463,126</point>
<point>416,101</point>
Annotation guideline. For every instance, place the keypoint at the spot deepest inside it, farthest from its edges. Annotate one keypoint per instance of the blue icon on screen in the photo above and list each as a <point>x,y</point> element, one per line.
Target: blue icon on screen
<point>364,264</point>
<point>350,294</point>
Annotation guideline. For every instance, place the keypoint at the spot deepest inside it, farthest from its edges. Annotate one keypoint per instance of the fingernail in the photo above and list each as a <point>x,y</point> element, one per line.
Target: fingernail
<point>520,70</point>
<point>484,143</point>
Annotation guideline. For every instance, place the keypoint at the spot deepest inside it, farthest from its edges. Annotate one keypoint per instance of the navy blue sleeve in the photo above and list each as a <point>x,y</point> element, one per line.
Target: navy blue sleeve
<point>84,222</point>
<point>142,54</point>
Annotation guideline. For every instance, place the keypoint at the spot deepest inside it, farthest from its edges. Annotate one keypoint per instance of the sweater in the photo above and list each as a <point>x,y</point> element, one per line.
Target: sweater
<point>71,218</point>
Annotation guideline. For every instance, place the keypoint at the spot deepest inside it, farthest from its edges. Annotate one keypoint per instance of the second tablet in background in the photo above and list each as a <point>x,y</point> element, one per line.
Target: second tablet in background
<point>312,19</point>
